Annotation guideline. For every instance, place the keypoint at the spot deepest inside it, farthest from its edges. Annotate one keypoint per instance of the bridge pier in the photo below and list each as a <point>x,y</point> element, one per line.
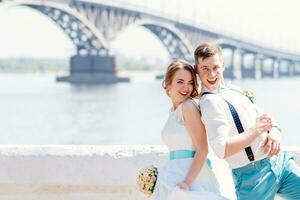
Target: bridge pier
<point>285,68</point>
<point>296,68</point>
<point>228,61</point>
<point>228,73</point>
<point>258,62</point>
<point>92,69</point>
<point>292,66</point>
<point>248,68</point>
<point>276,65</point>
<point>237,62</point>
<point>267,68</point>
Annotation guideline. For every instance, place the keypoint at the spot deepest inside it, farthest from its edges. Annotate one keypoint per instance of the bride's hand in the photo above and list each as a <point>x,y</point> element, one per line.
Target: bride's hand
<point>183,186</point>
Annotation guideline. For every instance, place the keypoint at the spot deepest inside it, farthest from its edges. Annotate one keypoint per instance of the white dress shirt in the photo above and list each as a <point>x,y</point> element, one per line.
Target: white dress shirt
<point>220,125</point>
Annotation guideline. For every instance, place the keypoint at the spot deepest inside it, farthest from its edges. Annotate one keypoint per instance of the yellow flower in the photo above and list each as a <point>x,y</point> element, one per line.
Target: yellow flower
<point>249,95</point>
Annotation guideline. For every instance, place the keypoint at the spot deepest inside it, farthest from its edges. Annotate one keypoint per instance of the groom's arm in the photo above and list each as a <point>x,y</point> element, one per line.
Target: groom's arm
<point>271,144</point>
<point>213,110</point>
<point>275,131</point>
<point>213,116</point>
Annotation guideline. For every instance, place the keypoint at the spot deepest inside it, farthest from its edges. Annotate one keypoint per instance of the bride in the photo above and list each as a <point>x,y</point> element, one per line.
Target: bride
<point>187,175</point>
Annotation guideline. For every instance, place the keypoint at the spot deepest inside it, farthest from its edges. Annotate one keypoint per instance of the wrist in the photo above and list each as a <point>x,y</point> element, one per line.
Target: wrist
<point>188,183</point>
<point>253,131</point>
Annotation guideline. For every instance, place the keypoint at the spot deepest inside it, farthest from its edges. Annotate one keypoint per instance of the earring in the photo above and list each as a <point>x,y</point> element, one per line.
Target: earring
<point>168,92</point>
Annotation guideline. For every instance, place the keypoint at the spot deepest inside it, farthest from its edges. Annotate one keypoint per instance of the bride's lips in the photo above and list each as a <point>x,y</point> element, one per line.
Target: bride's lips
<point>183,94</point>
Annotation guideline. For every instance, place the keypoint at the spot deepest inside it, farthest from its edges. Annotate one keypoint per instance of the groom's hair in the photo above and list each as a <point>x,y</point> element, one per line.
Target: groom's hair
<point>207,50</point>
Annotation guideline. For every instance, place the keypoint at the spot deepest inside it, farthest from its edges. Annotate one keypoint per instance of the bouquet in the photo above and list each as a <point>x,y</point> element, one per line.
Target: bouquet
<point>146,179</point>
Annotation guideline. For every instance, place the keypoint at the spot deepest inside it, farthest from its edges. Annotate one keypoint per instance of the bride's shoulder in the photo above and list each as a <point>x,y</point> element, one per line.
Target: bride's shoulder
<point>188,109</point>
<point>190,103</point>
<point>189,106</point>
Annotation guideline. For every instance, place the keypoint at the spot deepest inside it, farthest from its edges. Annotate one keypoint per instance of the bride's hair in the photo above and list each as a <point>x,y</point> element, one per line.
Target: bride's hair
<point>173,68</point>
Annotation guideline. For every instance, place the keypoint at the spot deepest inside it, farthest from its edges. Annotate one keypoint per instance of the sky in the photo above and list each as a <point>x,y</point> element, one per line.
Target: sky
<point>27,33</point>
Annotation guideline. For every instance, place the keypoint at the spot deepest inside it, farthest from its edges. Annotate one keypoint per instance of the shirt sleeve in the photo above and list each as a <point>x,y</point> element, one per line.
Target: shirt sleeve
<point>216,123</point>
<point>259,111</point>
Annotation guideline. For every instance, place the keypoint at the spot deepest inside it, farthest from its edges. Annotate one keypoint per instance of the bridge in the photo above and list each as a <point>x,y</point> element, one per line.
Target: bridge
<point>93,24</point>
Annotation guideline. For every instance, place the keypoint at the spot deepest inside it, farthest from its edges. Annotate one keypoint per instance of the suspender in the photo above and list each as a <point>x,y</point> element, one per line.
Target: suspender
<point>238,125</point>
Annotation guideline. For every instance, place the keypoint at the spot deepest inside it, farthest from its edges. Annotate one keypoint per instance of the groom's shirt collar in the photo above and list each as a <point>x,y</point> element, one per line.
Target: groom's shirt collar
<point>219,89</point>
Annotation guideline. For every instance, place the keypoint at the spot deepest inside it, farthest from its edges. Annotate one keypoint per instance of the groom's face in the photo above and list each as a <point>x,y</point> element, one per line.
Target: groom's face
<point>210,71</point>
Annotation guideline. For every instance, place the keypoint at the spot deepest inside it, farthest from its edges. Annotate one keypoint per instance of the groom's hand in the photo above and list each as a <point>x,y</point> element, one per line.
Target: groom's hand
<point>271,145</point>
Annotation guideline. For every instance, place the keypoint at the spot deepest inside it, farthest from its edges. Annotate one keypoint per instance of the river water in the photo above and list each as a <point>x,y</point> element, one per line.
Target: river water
<point>34,109</point>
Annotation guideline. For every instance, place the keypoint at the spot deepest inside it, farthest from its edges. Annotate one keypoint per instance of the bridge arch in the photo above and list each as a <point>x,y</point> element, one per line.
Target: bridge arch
<point>172,39</point>
<point>83,34</point>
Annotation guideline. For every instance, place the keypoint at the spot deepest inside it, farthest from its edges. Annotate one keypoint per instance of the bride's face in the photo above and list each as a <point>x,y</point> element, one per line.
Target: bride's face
<point>181,86</point>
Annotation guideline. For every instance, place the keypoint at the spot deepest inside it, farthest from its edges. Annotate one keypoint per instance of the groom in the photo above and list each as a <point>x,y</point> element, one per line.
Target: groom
<point>239,133</point>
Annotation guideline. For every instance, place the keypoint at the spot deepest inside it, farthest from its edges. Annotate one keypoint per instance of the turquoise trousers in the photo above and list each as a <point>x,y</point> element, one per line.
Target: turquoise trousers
<point>263,179</point>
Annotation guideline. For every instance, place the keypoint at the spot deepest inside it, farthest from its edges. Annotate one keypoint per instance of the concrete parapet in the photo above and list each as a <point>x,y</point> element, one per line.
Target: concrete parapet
<point>85,172</point>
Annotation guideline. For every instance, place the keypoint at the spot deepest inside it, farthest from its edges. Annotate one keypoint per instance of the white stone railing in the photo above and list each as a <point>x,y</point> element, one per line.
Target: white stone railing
<point>85,172</point>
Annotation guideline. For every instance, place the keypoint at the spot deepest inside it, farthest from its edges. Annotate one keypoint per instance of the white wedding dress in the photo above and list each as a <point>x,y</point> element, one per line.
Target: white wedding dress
<point>205,186</point>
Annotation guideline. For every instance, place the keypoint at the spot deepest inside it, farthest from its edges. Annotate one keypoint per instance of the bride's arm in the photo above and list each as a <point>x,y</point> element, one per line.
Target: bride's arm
<point>195,127</point>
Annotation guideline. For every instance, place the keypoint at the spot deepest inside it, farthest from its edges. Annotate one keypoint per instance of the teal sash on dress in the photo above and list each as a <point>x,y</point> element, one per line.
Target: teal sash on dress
<point>180,154</point>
